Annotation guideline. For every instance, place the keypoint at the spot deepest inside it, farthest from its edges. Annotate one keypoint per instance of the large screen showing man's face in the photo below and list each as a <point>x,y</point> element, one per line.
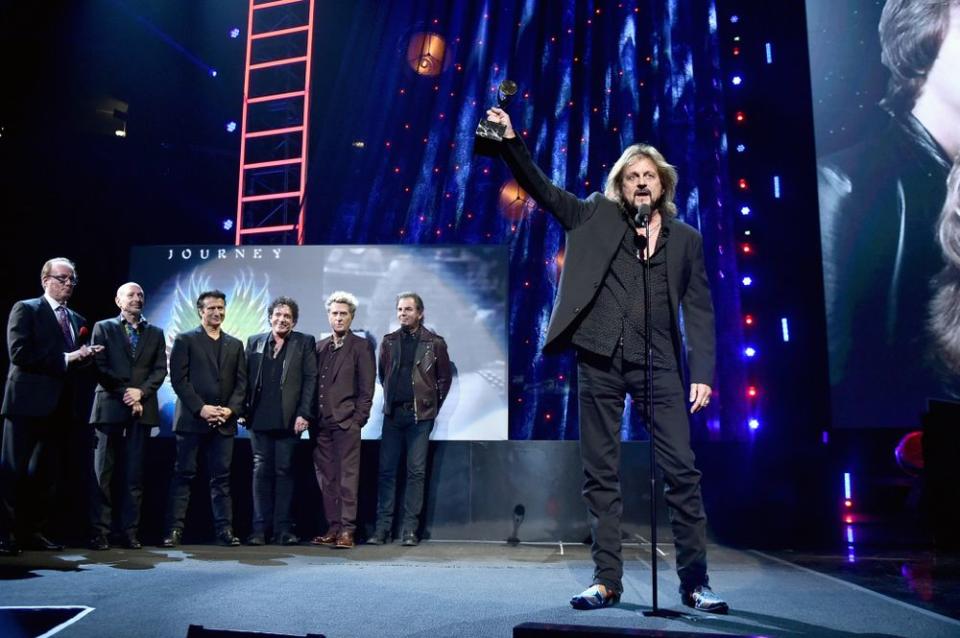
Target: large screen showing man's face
<point>886,94</point>
<point>464,290</point>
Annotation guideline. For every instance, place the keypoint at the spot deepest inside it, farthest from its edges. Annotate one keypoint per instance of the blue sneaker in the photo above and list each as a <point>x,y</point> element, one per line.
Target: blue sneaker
<point>703,599</point>
<point>593,597</point>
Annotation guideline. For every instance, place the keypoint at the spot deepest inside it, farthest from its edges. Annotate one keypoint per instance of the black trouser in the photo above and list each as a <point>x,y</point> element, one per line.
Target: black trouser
<point>273,480</point>
<point>218,450</point>
<point>30,461</point>
<point>604,382</point>
<point>402,431</point>
<point>129,440</point>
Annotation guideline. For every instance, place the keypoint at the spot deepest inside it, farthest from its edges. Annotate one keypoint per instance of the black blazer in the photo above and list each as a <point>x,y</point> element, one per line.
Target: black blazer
<point>38,372</point>
<point>594,228</point>
<point>119,368</point>
<point>198,380</point>
<point>298,380</point>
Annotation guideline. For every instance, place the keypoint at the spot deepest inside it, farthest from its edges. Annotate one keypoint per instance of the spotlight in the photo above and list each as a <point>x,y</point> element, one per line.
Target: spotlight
<point>750,351</point>
<point>747,281</point>
<point>228,224</point>
<point>235,33</point>
<point>231,126</point>
<point>737,80</point>
<point>213,73</point>
<point>753,424</point>
<point>748,319</point>
<point>744,210</point>
<point>740,116</point>
<point>741,148</point>
<point>752,391</point>
<point>734,19</point>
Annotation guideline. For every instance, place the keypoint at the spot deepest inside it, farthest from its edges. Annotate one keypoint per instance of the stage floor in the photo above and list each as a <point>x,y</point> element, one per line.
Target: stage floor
<point>437,589</point>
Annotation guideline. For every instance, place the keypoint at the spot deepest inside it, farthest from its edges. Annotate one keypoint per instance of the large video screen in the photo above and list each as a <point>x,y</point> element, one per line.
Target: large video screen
<point>464,289</point>
<point>886,90</point>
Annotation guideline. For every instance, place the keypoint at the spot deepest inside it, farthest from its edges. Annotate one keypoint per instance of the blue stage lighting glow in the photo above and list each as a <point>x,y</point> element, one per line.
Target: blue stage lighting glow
<point>228,224</point>
<point>769,50</point>
<point>235,32</point>
<point>785,328</point>
<point>776,186</point>
<point>850,534</point>
<point>747,281</point>
<point>213,73</point>
<point>231,126</point>
<point>734,19</point>
<point>737,80</point>
<point>754,424</point>
<point>825,437</point>
<point>846,486</point>
<point>750,351</point>
<point>741,148</point>
<point>744,210</point>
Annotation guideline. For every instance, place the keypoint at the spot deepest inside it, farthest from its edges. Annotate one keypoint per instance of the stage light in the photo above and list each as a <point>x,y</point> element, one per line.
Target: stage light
<point>746,248</point>
<point>848,518</point>
<point>426,53</point>
<point>785,328</point>
<point>847,492</point>
<point>748,319</point>
<point>753,424</point>
<point>213,73</point>
<point>742,184</point>
<point>741,148</point>
<point>235,33</point>
<point>737,80</point>
<point>744,210</point>
<point>848,503</point>
<point>750,351</point>
<point>120,132</point>
<point>228,224</point>
<point>736,50</point>
<point>769,50</point>
<point>747,281</point>
<point>515,203</point>
<point>824,437</point>
<point>734,19</point>
<point>740,116</point>
<point>776,186</point>
<point>752,392</point>
<point>231,126</point>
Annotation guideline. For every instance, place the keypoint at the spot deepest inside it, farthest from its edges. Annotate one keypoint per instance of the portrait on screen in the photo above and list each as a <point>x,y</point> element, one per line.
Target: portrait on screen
<point>886,96</point>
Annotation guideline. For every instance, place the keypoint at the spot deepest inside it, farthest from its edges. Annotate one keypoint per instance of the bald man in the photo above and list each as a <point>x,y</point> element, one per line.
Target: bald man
<point>130,369</point>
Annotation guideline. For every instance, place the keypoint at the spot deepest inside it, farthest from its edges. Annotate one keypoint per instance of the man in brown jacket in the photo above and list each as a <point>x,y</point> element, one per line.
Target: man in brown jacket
<point>345,385</point>
<point>414,371</point>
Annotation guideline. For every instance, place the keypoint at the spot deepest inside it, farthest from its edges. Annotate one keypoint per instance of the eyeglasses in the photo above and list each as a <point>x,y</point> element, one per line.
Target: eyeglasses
<point>63,279</point>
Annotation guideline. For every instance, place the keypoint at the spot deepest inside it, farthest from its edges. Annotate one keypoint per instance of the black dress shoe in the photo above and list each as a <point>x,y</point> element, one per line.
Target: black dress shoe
<point>380,537</point>
<point>131,541</point>
<point>172,539</point>
<point>99,543</point>
<point>256,539</point>
<point>39,541</point>
<point>226,538</point>
<point>288,538</point>
<point>8,547</point>
<point>410,539</point>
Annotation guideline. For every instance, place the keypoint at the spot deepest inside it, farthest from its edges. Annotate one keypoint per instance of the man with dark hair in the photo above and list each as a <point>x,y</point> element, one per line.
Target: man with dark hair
<point>282,373</point>
<point>599,311</point>
<point>208,374</point>
<point>40,405</point>
<point>414,370</point>
<point>879,204</point>
<point>344,398</point>
<point>130,369</point>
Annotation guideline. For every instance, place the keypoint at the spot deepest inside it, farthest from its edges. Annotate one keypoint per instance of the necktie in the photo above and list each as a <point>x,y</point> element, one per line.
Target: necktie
<point>65,327</point>
<point>133,336</point>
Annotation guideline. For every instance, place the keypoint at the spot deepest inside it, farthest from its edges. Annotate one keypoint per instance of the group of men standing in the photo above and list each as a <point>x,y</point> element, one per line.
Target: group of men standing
<point>282,384</point>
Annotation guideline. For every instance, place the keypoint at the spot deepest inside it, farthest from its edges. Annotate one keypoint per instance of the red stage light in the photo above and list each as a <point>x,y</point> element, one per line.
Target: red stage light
<point>748,319</point>
<point>848,503</point>
<point>848,519</point>
<point>742,184</point>
<point>740,116</point>
<point>736,50</point>
<point>746,249</point>
<point>752,391</point>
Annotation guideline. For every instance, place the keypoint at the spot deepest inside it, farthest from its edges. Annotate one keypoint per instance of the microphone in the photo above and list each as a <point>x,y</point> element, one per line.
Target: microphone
<point>83,332</point>
<point>643,215</point>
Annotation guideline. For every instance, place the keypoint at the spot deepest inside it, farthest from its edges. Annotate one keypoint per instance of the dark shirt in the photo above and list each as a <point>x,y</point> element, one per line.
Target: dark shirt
<point>616,317</point>
<point>133,333</point>
<point>268,414</point>
<point>213,348</point>
<point>328,358</point>
<point>402,382</point>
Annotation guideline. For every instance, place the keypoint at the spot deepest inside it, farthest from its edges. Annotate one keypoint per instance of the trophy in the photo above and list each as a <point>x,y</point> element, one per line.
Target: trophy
<point>490,133</point>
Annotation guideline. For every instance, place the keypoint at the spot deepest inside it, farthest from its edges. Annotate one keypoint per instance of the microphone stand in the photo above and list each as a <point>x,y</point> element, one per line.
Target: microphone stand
<point>642,220</point>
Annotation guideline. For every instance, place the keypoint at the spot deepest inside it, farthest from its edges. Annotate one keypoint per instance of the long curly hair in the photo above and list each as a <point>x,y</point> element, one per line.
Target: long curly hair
<point>944,318</point>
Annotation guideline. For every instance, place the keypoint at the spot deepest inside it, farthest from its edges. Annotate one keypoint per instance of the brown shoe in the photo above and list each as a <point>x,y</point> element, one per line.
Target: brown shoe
<point>344,540</point>
<point>330,538</point>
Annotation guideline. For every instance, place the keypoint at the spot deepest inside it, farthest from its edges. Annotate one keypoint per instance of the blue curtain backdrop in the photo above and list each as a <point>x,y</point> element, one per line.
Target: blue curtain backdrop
<point>392,153</point>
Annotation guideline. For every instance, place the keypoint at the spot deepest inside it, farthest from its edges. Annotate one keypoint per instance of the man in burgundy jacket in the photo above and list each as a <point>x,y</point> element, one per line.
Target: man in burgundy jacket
<point>345,384</point>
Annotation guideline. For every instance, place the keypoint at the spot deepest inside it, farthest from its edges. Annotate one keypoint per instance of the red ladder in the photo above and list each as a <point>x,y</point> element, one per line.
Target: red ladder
<point>276,108</point>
